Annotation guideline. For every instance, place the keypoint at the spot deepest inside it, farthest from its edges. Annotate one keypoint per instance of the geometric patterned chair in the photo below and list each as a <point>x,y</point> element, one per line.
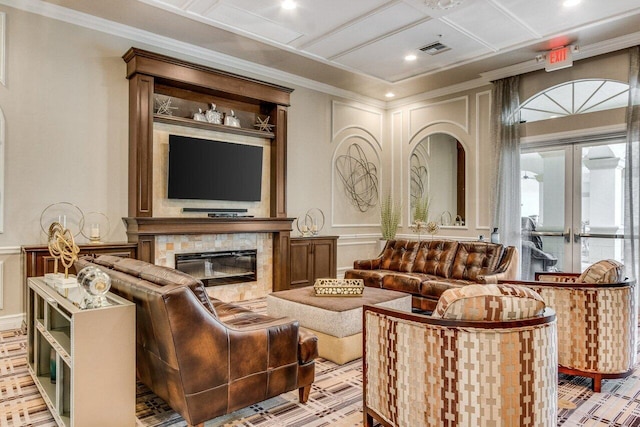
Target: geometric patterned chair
<point>597,320</point>
<point>487,356</point>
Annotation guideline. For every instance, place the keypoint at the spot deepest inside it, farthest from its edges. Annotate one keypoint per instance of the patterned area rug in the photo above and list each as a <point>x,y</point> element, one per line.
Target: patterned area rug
<point>335,399</point>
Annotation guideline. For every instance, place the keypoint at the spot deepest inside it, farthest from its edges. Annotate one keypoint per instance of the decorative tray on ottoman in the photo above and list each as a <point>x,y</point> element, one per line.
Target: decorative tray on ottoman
<point>338,287</point>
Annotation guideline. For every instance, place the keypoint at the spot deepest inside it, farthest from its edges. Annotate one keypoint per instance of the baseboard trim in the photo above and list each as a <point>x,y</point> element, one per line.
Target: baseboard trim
<point>14,321</point>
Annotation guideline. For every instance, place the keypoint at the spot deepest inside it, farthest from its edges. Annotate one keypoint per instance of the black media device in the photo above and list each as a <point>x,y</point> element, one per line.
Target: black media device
<point>215,210</point>
<point>213,170</point>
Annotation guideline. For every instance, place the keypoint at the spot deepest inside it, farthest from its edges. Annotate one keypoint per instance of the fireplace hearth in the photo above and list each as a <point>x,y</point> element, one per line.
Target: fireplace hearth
<point>219,267</point>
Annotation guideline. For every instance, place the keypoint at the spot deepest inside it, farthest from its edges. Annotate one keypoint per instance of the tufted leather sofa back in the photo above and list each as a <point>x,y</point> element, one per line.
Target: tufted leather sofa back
<point>435,257</point>
<point>475,259</point>
<point>398,255</point>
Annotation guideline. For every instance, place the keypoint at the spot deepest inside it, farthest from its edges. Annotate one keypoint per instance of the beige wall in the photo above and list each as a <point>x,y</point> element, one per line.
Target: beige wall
<point>65,105</point>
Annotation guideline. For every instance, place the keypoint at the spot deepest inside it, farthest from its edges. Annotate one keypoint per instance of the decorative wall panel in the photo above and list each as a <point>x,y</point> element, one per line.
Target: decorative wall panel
<point>356,172</point>
<point>3,25</point>
<point>484,146</point>
<point>454,111</point>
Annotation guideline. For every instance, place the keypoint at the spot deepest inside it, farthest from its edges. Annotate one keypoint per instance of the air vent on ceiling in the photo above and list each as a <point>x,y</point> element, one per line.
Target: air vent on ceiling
<point>435,48</point>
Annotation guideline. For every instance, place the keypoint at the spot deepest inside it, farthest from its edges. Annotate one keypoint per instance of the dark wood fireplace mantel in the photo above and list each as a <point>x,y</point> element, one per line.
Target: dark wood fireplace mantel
<point>143,230</point>
<point>144,226</point>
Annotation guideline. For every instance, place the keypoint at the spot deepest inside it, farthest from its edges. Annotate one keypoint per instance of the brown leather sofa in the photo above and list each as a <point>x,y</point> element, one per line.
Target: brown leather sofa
<point>426,269</point>
<point>204,357</point>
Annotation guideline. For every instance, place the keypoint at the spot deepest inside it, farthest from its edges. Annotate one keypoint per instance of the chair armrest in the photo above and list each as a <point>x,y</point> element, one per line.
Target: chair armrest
<point>551,276</point>
<point>307,346</point>
<point>367,264</point>
<point>507,268</point>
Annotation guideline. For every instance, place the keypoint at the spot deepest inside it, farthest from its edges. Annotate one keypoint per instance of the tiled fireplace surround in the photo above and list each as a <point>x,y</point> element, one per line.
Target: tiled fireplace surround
<point>167,246</point>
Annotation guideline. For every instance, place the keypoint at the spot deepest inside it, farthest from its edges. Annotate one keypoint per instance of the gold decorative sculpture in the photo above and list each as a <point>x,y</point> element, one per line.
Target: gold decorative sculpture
<point>54,229</point>
<point>63,249</point>
<point>68,249</point>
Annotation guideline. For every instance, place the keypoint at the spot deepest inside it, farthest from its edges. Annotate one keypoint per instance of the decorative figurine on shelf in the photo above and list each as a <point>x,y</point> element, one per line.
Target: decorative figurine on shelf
<point>199,116</point>
<point>96,283</point>
<point>63,248</point>
<point>54,229</point>
<point>263,124</point>
<point>164,106</point>
<point>231,120</point>
<point>213,116</point>
<point>312,223</point>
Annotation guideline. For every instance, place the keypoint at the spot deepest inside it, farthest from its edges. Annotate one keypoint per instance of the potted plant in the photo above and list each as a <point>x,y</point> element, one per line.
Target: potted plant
<point>420,214</point>
<point>421,209</point>
<point>390,212</point>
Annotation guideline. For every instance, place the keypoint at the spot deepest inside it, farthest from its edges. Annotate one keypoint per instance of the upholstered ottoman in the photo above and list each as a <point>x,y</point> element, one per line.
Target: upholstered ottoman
<point>336,321</point>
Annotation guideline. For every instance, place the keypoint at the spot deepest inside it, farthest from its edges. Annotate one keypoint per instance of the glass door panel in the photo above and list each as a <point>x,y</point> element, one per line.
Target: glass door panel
<point>572,206</point>
<point>599,228</point>
<point>544,211</point>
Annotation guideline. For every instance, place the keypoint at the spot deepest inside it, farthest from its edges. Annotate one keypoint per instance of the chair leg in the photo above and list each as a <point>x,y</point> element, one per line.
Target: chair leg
<point>597,383</point>
<point>368,420</point>
<point>303,393</point>
<point>196,425</point>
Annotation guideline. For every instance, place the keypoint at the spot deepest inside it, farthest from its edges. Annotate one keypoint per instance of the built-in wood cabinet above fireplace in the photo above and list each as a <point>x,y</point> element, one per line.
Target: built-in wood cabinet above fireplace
<point>151,74</point>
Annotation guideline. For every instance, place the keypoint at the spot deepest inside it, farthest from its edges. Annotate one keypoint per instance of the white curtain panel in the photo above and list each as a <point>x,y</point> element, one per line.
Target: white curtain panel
<point>632,170</point>
<point>505,194</point>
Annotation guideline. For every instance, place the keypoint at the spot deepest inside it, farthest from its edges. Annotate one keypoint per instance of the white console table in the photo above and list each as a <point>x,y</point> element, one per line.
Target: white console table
<point>90,351</point>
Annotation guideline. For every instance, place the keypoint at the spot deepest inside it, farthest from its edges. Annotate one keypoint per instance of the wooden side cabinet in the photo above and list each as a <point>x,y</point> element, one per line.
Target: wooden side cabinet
<point>36,259</point>
<point>312,258</point>
<point>82,361</point>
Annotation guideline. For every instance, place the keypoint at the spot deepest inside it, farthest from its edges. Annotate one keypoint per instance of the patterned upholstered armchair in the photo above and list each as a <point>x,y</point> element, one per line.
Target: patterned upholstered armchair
<point>487,356</point>
<point>597,320</point>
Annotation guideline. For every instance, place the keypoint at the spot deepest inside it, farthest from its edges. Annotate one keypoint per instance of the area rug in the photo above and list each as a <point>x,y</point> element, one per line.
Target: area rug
<point>335,399</point>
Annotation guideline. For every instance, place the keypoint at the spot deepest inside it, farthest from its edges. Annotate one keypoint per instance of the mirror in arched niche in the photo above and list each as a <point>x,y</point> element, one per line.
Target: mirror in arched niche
<point>437,172</point>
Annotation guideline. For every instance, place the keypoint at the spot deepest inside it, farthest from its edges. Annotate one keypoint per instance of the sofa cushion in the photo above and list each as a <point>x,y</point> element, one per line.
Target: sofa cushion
<point>435,257</point>
<point>434,287</point>
<point>409,283</point>
<point>489,303</point>
<point>475,259</point>
<point>371,278</point>
<point>606,271</point>
<point>398,255</point>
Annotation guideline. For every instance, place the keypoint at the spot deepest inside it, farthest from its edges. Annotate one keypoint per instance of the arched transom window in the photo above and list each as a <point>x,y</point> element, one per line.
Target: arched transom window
<point>575,97</point>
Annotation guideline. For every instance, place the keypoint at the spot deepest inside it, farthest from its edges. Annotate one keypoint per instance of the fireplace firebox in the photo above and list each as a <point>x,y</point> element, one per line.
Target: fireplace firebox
<point>220,267</point>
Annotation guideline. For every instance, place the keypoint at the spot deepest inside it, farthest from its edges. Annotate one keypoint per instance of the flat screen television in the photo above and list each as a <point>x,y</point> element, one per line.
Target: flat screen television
<point>213,170</point>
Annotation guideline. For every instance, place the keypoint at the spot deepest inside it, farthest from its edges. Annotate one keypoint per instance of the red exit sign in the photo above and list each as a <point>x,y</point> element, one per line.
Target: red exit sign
<point>559,58</point>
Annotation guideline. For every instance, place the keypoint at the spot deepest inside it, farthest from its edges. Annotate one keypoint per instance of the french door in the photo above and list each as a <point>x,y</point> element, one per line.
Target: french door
<point>572,204</point>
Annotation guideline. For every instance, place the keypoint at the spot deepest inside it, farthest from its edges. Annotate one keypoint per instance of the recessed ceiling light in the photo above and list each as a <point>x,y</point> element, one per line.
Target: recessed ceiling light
<point>410,57</point>
<point>571,3</point>
<point>389,94</point>
<point>288,4</point>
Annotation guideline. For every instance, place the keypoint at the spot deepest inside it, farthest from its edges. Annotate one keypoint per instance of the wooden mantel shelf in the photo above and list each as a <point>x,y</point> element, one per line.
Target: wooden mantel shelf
<point>144,226</point>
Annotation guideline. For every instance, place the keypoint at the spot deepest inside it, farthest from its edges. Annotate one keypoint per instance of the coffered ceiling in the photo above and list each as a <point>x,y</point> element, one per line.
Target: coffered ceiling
<point>360,45</point>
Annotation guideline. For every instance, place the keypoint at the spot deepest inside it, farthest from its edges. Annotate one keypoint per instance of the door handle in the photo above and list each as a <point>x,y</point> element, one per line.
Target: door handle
<point>566,234</point>
<point>600,236</point>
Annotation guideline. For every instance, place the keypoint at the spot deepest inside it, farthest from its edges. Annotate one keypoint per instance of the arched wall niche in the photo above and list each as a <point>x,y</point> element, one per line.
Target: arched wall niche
<point>437,170</point>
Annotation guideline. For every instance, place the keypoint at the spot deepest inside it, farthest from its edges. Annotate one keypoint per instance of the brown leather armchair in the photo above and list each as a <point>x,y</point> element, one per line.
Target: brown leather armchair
<point>204,357</point>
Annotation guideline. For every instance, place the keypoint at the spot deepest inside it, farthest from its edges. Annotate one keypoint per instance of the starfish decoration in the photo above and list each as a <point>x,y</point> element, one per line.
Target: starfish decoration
<point>264,124</point>
<point>164,106</point>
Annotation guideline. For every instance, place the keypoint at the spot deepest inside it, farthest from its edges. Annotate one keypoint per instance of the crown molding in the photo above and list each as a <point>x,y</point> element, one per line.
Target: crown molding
<point>204,56</point>
<point>220,60</point>
<point>589,51</point>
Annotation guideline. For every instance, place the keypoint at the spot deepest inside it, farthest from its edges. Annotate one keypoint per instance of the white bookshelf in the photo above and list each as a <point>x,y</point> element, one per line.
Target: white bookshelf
<point>93,354</point>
